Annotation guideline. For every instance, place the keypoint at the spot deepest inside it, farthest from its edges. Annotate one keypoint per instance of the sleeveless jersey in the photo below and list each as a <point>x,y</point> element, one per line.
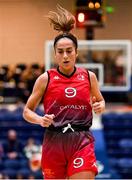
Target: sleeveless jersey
<point>68,98</point>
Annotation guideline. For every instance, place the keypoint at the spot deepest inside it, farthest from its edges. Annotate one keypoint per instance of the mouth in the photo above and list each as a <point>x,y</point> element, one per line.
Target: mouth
<point>66,62</point>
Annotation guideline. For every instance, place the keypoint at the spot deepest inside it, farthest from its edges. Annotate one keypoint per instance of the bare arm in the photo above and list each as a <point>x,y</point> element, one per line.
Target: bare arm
<point>98,102</point>
<point>34,100</point>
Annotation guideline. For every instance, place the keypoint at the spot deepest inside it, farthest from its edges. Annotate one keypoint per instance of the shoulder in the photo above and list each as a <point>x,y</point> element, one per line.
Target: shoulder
<point>53,70</point>
<point>40,84</point>
<point>92,75</point>
<point>43,77</point>
<point>42,81</point>
<point>92,78</point>
<point>81,70</point>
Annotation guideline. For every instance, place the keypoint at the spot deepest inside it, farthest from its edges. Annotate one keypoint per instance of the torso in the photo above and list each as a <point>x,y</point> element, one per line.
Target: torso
<point>68,98</point>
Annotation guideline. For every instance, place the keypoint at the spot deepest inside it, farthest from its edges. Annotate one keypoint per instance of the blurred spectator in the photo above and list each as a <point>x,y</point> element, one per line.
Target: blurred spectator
<point>109,68</point>
<point>31,148</point>
<point>19,79</point>
<point>119,68</point>
<point>13,148</point>
<point>13,154</point>
<point>33,153</point>
<point>35,72</point>
<point>3,73</point>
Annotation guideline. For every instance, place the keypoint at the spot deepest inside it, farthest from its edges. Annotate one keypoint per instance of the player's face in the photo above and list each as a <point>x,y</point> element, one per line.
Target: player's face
<point>65,55</point>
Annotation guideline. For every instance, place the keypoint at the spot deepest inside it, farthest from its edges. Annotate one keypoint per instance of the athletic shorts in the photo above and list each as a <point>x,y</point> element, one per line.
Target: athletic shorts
<point>66,154</point>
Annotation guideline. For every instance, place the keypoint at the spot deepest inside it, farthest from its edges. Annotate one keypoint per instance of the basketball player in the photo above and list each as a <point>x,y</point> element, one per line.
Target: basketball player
<point>70,94</point>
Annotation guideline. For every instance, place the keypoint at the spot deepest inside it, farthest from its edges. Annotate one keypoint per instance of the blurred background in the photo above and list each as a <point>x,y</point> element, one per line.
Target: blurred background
<point>104,31</point>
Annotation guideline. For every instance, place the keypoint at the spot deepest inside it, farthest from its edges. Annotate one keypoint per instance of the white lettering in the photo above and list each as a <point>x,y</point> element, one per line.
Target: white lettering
<point>77,107</point>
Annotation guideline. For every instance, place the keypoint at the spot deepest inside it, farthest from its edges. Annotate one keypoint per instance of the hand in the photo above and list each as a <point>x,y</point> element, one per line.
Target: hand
<point>98,107</point>
<point>47,120</point>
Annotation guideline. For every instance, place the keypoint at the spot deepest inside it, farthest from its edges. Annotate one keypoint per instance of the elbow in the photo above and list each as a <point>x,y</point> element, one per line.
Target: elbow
<point>25,114</point>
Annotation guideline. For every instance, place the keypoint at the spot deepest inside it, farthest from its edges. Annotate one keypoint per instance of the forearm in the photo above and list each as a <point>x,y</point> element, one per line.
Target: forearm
<point>31,116</point>
<point>44,121</point>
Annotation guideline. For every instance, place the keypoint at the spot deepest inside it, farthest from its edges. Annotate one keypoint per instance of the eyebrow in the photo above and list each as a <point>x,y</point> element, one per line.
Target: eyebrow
<point>64,48</point>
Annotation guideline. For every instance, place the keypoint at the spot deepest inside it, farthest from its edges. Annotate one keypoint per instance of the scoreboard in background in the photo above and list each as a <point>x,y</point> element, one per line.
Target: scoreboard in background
<point>90,13</point>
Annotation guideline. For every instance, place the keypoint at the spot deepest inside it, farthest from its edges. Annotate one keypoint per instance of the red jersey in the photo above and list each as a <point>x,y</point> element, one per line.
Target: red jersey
<point>68,98</point>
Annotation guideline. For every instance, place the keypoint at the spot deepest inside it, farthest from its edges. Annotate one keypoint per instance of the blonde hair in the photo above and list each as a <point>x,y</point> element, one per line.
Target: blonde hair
<point>62,20</point>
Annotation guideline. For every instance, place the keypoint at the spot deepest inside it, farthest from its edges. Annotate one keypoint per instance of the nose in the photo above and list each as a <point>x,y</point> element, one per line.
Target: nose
<point>65,55</point>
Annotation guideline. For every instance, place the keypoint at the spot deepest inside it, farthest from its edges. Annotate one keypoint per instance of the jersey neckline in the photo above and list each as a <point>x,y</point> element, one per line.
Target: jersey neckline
<point>68,76</point>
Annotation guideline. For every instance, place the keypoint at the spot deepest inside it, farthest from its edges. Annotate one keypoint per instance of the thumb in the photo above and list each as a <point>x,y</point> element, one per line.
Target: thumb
<point>53,116</point>
<point>93,99</point>
<point>50,115</point>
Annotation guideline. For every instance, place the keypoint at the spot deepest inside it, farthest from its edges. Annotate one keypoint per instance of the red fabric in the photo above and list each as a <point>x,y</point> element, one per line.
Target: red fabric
<point>83,160</point>
<point>68,98</point>
<point>62,152</point>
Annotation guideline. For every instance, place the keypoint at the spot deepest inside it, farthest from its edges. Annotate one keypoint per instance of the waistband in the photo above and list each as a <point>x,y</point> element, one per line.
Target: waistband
<point>68,128</point>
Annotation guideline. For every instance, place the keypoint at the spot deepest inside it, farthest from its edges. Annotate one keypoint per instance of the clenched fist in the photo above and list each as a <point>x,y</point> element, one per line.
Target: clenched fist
<point>47,120</point>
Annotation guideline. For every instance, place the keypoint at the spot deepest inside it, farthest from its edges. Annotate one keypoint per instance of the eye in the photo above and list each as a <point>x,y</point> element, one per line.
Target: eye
<point>60,52</point>
<point>69,51</point>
